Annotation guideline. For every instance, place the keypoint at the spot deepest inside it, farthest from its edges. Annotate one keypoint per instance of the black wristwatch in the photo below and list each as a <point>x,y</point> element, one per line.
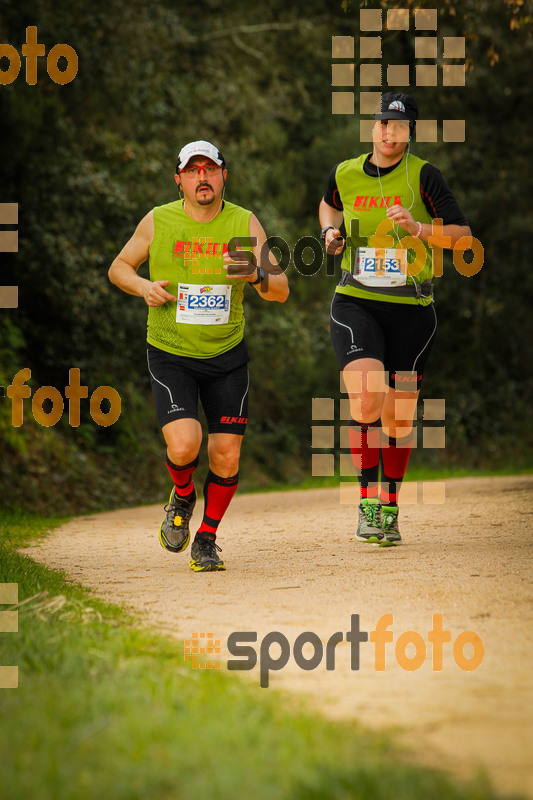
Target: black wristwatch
<point>260,276</point>
<point>323,234</point>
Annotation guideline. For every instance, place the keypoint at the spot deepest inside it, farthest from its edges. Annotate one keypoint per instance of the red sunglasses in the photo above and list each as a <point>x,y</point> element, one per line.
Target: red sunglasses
<point>208,169</point>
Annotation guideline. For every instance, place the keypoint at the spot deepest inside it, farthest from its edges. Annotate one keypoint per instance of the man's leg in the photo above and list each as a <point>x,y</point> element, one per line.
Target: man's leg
<point>183,438</point>
<point>225,403</point>
<point>175,393</point>
<point>219,487</point>
<point>221,482</point>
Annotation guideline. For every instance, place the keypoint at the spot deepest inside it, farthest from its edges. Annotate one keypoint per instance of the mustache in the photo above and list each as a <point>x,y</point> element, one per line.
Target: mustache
<point>204,185</point>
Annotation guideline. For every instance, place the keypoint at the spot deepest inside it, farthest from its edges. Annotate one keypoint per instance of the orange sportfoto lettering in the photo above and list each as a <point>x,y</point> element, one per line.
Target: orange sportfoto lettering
<point>74,391</point>
<point>31,51</point>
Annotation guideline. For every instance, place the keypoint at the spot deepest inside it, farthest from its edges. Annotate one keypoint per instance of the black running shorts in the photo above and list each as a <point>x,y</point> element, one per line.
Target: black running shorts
<point>221,383</point>
<point>397,334</point>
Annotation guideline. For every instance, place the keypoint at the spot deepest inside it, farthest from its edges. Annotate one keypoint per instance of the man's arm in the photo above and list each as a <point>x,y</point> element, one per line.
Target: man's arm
<point>275,285</point>
<point>123,270</point>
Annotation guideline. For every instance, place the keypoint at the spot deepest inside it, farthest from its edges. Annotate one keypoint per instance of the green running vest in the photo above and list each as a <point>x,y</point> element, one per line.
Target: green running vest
<point>190,252</point>
<point>362,199</point>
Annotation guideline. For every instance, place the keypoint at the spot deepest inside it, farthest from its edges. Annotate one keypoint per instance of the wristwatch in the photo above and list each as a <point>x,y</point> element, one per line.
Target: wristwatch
<point>260,276</point>
<point>323,233</point>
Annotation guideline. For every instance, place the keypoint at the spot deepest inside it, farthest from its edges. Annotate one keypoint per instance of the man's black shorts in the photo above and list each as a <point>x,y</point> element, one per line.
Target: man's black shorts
<point>221,383</point>
<point>397,334</point>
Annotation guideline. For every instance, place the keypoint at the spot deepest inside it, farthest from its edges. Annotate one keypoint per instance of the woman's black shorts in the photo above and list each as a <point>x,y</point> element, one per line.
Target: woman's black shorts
<point>397,334</point>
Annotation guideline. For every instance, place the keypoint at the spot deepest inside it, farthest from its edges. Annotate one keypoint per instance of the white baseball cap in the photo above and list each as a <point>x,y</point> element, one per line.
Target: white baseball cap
<point>200,148</point>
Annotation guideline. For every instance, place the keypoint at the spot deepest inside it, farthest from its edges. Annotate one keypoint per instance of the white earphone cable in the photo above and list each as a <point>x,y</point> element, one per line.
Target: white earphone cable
<point>394,226</point>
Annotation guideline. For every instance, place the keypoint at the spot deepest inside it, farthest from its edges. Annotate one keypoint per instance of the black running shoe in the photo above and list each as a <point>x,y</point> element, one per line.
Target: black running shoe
<point>204,556</point>
<point>174,530</point>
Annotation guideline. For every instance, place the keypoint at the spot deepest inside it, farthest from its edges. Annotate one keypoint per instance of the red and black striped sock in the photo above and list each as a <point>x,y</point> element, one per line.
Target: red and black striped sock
<point>365,443</point>
<point>182,476</point>
<point>218,493</point>
<point>394,457</point>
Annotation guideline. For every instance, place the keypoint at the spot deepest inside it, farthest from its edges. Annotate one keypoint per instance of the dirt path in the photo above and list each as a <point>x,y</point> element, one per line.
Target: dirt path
<point>293,566</point>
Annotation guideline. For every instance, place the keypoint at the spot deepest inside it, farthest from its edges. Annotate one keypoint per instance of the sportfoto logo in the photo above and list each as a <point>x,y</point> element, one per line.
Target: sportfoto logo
<point>31,51</point>
<point>275,649</point>
<point>52,397</point>
<point>378,29</point>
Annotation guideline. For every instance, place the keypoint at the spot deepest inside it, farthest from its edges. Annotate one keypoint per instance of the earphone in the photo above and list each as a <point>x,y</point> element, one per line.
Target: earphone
<point>394,227</point>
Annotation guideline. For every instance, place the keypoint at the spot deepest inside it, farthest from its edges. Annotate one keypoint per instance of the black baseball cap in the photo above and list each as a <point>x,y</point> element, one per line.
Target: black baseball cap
<point>396,105</point>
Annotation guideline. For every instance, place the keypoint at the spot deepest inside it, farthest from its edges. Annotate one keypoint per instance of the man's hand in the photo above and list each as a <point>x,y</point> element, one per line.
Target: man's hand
<point>155,294</point>
<point>241,265</point>
<point>333,241</point>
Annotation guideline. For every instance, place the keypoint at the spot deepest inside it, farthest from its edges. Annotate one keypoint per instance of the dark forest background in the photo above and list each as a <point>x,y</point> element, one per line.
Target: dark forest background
<point>87,160</point>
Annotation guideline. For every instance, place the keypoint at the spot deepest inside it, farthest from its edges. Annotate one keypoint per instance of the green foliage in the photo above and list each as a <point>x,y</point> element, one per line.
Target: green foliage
<point>87,160</point>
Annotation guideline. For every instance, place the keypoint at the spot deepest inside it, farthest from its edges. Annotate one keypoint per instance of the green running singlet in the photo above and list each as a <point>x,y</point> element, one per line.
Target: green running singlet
<point>362,199</point>
<point>190,253</point>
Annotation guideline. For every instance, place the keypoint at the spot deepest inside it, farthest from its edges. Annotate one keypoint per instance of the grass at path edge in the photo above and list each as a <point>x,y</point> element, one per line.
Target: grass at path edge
<point>106,709</point>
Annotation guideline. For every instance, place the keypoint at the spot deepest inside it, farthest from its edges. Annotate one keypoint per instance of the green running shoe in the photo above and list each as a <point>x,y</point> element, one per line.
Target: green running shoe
<point>389,526</point>
<point>204,557</point>
<point>174,530</point>
<point>369,527</point>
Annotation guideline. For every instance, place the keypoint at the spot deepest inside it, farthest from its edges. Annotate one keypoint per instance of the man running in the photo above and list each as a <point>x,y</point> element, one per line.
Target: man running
<point>195,344</point>
<point>383,320</point>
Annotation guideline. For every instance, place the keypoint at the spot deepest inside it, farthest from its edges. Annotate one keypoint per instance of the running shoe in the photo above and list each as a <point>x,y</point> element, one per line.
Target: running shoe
<point>369,527</point>
<point>389,526</point>
<point>174,530</point>
<point>204,555</point>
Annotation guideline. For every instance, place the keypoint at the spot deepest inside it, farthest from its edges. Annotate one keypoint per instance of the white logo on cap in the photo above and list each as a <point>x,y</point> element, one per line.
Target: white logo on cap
<point>397,105</point>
